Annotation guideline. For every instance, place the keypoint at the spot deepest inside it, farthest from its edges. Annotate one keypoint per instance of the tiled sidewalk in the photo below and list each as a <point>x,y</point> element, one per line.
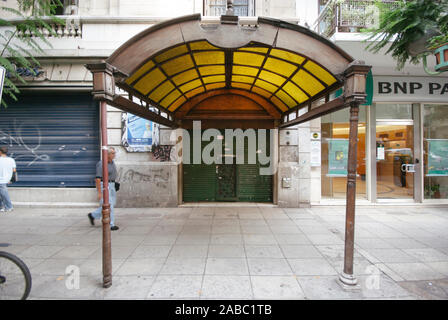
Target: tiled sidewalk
<point>256,252</point>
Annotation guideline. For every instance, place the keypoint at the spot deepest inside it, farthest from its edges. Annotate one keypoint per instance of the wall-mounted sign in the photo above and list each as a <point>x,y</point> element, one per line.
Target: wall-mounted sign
<point>380,152</point>
<point>138,134</point>
<point>315,158</point>
<point>2,80</point>
<point>437,157</point>
<point>337,157</point>
<point>410,89</point>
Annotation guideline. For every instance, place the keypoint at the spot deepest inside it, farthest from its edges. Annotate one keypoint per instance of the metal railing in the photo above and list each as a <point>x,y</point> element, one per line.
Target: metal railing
<point>349,16</point>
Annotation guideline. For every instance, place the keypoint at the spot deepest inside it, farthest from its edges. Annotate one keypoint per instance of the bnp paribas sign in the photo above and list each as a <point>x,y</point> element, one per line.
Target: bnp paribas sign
<point>410,89</point>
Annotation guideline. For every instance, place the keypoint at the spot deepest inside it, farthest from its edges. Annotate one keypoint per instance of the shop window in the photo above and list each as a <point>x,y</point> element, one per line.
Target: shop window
<point>435,144</point>
<point>393,111</point>
<point>219,7</point>
<point>335,133</point>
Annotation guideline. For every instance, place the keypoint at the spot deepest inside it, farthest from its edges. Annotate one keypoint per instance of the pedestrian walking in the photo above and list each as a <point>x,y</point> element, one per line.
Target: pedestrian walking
<point>7,169</point>
<point>112,169</point>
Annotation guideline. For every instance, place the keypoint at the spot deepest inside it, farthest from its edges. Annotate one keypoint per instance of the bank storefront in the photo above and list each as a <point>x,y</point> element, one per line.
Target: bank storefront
<point>402,146</point>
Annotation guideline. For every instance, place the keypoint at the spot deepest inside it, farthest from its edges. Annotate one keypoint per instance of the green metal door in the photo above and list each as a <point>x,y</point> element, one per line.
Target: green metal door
<point>226,182</point>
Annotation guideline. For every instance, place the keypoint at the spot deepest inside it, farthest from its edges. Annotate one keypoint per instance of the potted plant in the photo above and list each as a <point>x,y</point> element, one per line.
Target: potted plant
<point>436,191</point>
<point>414,29</point>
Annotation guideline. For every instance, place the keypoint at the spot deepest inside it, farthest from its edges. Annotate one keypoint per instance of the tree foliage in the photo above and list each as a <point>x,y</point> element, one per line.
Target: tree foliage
<point>23,39</point>
<point>408,23</point>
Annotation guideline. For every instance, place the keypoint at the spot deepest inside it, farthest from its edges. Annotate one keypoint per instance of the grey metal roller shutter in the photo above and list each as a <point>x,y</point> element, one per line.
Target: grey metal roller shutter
<point>54,139</point>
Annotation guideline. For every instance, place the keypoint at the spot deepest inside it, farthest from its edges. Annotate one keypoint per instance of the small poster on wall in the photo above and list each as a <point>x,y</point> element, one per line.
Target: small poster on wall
<point>139,135</point>
<point>337,157</point>
<point>437,157</point>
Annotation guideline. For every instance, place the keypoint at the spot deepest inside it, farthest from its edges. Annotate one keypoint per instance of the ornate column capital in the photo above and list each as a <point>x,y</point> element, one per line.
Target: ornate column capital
<point>355,82</point>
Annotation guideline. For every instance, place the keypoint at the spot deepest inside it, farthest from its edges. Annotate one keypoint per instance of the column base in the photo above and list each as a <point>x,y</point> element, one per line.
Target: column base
<point>348,282</point>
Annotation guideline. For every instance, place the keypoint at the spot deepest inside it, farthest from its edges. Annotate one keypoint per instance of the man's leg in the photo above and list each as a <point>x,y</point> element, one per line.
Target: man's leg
<point>97,214</point>
<point>112,200</point>
<point>6,201</point>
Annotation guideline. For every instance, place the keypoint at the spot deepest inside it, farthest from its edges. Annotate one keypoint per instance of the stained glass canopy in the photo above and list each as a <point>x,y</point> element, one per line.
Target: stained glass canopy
<point>173,62</point>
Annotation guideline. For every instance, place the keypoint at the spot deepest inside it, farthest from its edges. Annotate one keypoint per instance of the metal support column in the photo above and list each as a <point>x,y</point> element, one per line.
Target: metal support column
<point>107,248</point>
<point>347,276</point>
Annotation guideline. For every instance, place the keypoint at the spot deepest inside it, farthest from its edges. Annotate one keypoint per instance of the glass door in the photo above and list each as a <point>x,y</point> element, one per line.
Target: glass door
<point>395,159</point>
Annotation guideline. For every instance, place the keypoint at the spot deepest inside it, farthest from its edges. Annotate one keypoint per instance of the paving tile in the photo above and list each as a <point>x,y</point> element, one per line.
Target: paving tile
<point>226,239</point>
<point>226,229</point>
<point>52,287</point>
<point>163,239</point>
<point>226,251</point>
<point>118,252</point>
<point>320,288</point>
<point>226,266</point>
<point>55,267</point>
<point>259,239</point>
<point>285,229</point>
<point>75,252</point>
<point>176,287</point>
<point>135,267</point>
<point>300,251</point>
<point>189,251</point>
<point>392,255</point>
<point>311,267</point>
<point>263,251</point>
<point>199,239</point>
<point>255,230</point>
<point>441,267</point>
<point>373,243</point>
<point>319,239</point>
<point>129,287</point>
<point>40,252</point>
<point>292,239</point>
<point>414,271</point>
<point>276,287</point>
<point>95,267</point>
<point>427,254</point>
<point>226,287</point>
<point>143,252</point>
<point>427,290</point>
<point>183,266</point>
<point>268,267</point>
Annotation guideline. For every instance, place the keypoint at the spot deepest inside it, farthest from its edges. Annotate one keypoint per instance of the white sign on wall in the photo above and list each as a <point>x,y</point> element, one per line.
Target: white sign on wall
<point>410,89</point>
<point>2,80</point>
<point>315,157</point>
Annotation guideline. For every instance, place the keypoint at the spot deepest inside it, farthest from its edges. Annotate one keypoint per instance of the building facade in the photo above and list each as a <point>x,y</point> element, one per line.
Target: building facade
<point>53,131</point>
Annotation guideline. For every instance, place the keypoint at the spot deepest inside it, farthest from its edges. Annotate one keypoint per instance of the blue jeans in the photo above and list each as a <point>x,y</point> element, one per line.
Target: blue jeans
<point>97,214</point>
<point>5,200</point>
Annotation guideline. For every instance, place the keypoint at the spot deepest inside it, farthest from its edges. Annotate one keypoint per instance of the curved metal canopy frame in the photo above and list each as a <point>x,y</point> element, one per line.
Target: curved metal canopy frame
<point>172,62</point>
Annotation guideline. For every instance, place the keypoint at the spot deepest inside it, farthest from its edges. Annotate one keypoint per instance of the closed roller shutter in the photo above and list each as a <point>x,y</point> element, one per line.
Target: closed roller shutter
<point>54,139</point>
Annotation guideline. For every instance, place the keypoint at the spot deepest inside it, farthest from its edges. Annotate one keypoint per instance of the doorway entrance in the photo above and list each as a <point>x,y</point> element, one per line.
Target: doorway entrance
<point>395,160</point>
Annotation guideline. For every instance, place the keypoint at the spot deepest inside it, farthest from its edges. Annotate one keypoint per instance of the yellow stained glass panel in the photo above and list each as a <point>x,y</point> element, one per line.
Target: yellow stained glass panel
<point>262,92</point>
<point>185,77</point>
<point>286,99</point>
<point>241,85</point>
<point>150,81</point>
<point>177,103</point>
<point>266,86</point>
<point>146,67</point>
<point>248,71</point>
<point>320,72</point>
<point>215,85</point>
<point>244,79</point>
<point>271,77</point>
<point>280,66</point>
<point>214,79</point>
<point>248,59</point>
<point>286,55</point>
<point>190,85</point>
<point>255,49</point>
<point>170,98</point>
<point>202,45</point>
<point>178,64</point>
<point>171,53</point>
<point>307,82</point>
<point>209,70</point>
<point>209,57</point>
<point>295,92</point>
<point>161,91</point>
<point>279,103</point>
<point>194,92</point>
